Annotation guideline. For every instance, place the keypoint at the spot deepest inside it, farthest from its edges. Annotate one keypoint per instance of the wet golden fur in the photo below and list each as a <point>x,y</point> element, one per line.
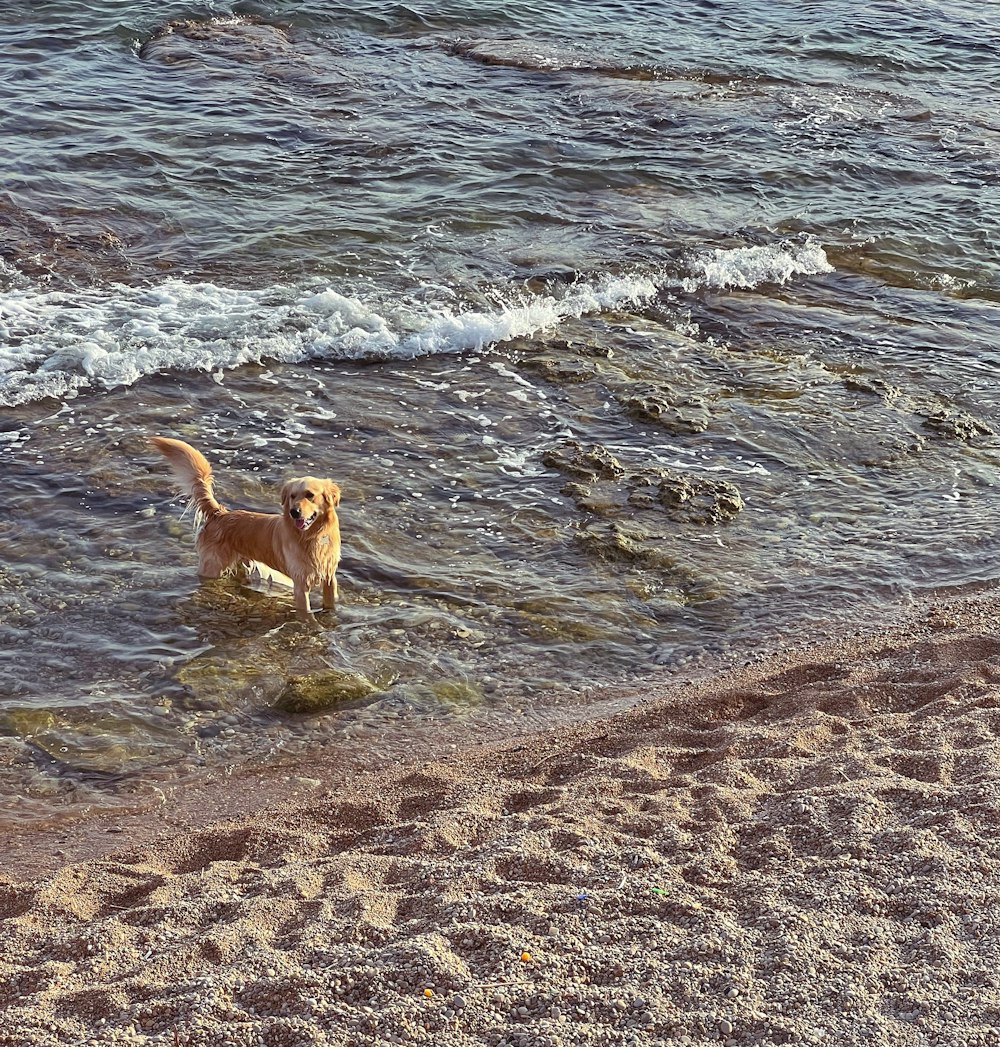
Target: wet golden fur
<point>302,542</point>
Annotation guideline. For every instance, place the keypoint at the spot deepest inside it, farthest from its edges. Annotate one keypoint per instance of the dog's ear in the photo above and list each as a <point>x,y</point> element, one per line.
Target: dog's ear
<point>332,492</point>
<point>286,494</point>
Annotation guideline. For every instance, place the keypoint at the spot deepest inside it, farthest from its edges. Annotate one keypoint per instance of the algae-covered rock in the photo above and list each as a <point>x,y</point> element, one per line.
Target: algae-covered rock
<point>957,425</point>
<point>226,683</point>
<point>559,371</point>
<point>457,692</point>
<point>689,415</point>
<point>551,629</point>
<point>586,463</point>
<point>25,721</point>
<point>93,744</point>
<point>322,691</point>
<point>860,383</point>
<point>692,499</point>
<point>616,543</point>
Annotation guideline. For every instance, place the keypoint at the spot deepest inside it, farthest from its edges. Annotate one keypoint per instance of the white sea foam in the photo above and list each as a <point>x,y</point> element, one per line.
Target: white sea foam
<point>749,267</point>
<point>55,343</point>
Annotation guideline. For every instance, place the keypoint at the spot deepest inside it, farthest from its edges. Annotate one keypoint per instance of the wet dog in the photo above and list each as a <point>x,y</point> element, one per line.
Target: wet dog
<point>302,542</point>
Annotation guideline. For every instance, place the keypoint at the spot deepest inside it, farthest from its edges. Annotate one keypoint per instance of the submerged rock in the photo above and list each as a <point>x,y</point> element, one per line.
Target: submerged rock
<point>581,348</point>
<point>655,576</point>
<point>689,415</point>
<point>601,484</point>
<point>237,38</point>
<point>534,57</point>
<point>957,425</point>
<point>604,499</point>
<point>563,361</point>
<point>617,543</point>
<point>586,463</point>
<point>559,371</point>
<point>694,499</point>
<point>944,422</point>
<point>860,383</point>
<point>891,452</point>
<point>319,692</point>
<point>65,248</point>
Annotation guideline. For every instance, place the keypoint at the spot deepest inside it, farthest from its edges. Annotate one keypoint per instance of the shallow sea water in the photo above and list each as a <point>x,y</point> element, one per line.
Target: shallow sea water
<point>634,338</point>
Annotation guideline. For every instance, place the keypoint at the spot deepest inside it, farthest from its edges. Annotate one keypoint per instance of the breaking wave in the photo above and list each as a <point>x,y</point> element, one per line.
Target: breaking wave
<point>55,344</point>
<point>58,343</point>
<point>749,267</point>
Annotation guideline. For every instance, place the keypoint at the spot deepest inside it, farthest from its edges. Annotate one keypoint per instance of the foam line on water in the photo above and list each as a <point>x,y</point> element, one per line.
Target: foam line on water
<point>57,344</point>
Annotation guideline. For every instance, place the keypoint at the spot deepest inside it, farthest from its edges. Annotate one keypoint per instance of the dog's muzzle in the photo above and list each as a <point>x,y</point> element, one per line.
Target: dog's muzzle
<point>301,522</point>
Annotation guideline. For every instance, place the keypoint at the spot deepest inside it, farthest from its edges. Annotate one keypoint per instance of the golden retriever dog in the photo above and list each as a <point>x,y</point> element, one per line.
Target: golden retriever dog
<point>302,542</point>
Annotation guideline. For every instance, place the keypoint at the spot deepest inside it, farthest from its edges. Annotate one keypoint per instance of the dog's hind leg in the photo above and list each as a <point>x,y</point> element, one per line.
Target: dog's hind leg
<point>213,563</point>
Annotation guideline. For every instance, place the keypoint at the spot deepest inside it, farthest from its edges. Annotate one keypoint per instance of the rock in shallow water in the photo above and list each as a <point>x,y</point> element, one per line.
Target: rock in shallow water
<point>321,691</point>
<point>587,463</point>
<point>689,415</point>
<point>241,39</point>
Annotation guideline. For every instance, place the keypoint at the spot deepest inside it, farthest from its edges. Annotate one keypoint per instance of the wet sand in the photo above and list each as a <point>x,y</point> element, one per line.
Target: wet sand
<point>801,850</point>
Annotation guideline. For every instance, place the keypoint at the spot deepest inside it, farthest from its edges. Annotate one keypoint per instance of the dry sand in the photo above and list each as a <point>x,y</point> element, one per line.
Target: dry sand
<point>801,851</point>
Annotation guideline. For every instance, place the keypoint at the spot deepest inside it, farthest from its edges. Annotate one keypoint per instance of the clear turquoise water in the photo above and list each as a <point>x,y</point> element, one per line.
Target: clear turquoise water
<point>445,255</point>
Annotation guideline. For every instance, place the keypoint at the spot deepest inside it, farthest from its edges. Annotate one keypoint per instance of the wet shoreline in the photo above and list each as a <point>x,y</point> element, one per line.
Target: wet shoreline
<point>167,801</point>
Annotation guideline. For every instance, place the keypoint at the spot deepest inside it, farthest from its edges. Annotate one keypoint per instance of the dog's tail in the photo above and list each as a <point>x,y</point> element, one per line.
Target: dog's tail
<point>192,471</point>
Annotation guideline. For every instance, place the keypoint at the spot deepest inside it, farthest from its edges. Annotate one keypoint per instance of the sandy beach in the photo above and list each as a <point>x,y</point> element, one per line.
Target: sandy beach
<point>800,850</point>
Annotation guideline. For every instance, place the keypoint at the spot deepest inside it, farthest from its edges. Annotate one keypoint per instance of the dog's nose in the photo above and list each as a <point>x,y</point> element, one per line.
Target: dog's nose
<point>294,513</point>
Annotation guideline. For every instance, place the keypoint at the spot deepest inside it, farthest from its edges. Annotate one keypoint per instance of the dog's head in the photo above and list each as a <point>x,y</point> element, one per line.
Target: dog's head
<point>307,500</point>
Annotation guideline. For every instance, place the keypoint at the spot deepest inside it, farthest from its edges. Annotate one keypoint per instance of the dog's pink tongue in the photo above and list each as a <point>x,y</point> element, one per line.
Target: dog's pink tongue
<point>300,524</point>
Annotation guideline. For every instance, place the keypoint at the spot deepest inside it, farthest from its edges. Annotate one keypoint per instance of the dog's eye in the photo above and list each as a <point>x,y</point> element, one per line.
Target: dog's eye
<point>309,495</point>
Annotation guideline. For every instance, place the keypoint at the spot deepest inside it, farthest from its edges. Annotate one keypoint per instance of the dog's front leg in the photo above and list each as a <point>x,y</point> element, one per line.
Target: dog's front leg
<point>329,594</point>
<point>302,602</point>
